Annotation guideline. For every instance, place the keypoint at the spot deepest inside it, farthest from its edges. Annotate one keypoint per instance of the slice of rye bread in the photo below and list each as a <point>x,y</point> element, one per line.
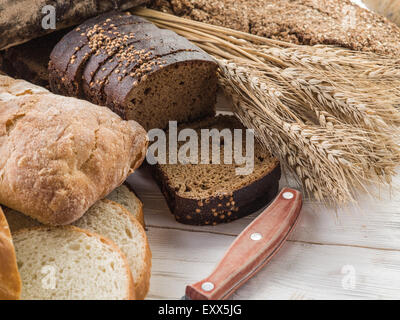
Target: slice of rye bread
<point>208,194</point>
<point>68,263</point>
<point>114,63</point>
<point>126,197</point>
<point>69,56</point>
<point>10,280</point>
<point>125,94</point>
<point>113,221</point>
<point>115,82</point>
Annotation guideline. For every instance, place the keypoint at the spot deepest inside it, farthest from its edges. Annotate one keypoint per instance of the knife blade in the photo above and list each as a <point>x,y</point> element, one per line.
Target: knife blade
<point>251,250</point>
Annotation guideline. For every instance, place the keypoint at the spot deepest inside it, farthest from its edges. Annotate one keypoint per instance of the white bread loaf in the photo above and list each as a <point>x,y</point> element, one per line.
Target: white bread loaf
<point>59,155</point>
<point>67,263</point>
<point>10,281</point>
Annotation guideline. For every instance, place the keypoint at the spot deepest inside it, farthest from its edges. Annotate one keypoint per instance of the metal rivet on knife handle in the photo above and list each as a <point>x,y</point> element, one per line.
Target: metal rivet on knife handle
<point>256,236</point>
<point>288,195</point>
<point>207,286</point>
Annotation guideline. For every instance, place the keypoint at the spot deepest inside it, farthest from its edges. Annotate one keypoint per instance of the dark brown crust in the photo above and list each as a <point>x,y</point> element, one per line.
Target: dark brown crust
<point>66,71</point>
<point>110,64</point>
<point>246,200</point>
<point>76,44</point>
<point>21,20</point>
<point>99,61</point>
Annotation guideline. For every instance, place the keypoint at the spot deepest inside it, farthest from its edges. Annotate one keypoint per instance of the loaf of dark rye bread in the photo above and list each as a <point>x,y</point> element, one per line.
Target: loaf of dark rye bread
<point>29,61</point>
<point>209,194</point>
<point>310,22</point>
<point>138,70</point>
<point>21,20</point>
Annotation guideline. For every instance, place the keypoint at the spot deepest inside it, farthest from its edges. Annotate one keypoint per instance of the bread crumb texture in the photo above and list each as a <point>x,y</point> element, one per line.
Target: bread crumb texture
<point>199,181</point>
<point>108,219</point>
<point>67,263</point>
<point>208,194</point>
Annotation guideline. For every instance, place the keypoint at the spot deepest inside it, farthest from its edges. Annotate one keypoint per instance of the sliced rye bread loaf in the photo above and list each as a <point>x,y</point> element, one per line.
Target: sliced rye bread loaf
<point>144,95</point>
<point>109,219</point>
<point>136,69</point>
<point>126,197</point>
<point>208,194</point>
<point>68,263</point>
<point>10,280</point>
<point>69,56</point>
<point>98,60</point>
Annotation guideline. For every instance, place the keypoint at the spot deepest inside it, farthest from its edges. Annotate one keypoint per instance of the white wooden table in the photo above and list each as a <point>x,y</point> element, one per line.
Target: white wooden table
<point>351,253</point>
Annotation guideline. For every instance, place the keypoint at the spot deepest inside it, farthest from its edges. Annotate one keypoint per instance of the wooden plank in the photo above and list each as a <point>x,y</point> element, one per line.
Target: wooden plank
<point>299,271</point>
<point>316,263</point>
<point>374,224</point>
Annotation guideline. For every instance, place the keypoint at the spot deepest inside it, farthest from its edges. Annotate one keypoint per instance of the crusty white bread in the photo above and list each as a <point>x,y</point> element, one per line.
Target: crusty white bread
<point>126,197</point>
<point>112,221</point>
<point>10,281</point>
<point>68,263</point>
<point>60,155</point>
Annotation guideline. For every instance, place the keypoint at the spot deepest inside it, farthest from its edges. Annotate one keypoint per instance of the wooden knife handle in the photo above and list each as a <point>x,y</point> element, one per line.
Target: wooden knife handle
<point>252,249</point>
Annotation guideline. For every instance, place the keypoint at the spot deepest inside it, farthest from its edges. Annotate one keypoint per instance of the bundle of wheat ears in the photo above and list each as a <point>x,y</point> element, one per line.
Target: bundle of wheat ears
<point>329,114</point>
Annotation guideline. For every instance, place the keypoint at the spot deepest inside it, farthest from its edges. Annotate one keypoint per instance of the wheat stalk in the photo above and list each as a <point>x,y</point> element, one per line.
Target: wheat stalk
<point>329,114</point>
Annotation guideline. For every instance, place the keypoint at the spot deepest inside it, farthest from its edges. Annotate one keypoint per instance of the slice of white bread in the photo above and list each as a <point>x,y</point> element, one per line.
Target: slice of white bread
<point>112,221</point>
<point>126,197</point>
<point>123,195</point>
<point>10,280</point>
<point>68,263</point>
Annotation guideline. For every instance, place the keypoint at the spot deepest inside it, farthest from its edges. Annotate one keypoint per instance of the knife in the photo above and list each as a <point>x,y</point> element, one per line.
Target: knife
<point>251,250</point>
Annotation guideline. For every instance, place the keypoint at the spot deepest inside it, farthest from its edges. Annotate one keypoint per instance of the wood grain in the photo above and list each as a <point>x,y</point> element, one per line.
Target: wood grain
<point>351,253</point>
